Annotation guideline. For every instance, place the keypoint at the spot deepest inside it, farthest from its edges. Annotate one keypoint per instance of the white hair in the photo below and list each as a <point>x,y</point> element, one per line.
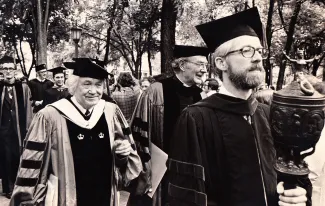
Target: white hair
<point>222,51</point>
<point>72,83</point>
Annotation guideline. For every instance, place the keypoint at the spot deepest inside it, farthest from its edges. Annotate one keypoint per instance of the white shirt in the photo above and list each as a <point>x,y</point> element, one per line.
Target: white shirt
<point>83,110</point>
<point>211,93</point>
<point>224,91</point>
<point>40,79</point>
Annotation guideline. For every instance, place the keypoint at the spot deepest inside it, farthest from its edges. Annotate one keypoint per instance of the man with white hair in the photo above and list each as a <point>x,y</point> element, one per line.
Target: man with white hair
<point>79,150</point>
<point>222,150</point>
<point>159,107</point>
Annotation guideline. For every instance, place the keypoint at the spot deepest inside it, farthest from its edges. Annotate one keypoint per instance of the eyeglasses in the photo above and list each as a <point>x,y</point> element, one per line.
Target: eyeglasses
<point>7,69</point>
<point>201,64</point>
<point>249,52</point>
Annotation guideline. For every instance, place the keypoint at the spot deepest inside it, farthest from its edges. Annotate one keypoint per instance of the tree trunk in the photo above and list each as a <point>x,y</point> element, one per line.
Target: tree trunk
<point>269,41</point>
<point>289,42</point>
<point>41,54</point>
<point>109,31</point>
<point>168,27</point>
<point>149,50</point>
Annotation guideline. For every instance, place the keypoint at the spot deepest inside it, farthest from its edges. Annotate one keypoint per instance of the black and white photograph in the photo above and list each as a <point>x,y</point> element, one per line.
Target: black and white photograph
<point>162,103</point>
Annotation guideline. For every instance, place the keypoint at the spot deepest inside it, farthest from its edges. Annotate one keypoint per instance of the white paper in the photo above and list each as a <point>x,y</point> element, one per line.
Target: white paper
<point>158,167</point>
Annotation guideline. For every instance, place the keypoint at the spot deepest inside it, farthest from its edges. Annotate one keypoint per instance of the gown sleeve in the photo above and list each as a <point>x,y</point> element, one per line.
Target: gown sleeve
<point>30,186</point>
<point>132,164</point>
<point>186,173</point>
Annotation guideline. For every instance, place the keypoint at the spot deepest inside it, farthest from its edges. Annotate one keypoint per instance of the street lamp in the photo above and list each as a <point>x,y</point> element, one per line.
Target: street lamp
<point>76,34</point>
<point>272,61</point>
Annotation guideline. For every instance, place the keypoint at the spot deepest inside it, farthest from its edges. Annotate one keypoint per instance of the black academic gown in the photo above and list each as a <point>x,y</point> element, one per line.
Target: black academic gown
<point>92,163</point>
<point>218,158</point>
<point>37,89</point>
<point>12,130</point>
<point>54,94</point>
<point>167,97</point>
<point>176,98</point>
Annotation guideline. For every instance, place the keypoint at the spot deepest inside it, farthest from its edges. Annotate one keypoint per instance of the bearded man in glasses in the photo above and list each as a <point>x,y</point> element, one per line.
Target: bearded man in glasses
<point>159,107</point>
<point>222,151</point>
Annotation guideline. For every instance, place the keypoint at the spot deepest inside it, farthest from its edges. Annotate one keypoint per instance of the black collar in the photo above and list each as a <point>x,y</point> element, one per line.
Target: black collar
<point>229,104</point>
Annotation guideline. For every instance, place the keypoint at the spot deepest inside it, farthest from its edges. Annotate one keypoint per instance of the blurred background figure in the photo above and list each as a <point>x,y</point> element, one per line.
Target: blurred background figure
<point>38,86</point>
<point>59,90</point>
<point>211,86</point>
<point>316,162</point>
<point>2,77</point>
<point>144,83</point>
<point>126,94</point>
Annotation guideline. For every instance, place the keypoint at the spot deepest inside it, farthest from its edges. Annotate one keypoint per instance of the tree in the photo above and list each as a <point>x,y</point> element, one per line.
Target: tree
<point>168,29</point>
<point>35,20</point>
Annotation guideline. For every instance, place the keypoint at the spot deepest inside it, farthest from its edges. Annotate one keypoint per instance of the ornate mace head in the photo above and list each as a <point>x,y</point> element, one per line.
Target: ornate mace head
<point>297,120</point>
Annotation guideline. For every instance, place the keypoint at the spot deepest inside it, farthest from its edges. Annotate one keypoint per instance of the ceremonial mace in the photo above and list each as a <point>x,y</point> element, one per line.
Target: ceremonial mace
<point>297,120</point>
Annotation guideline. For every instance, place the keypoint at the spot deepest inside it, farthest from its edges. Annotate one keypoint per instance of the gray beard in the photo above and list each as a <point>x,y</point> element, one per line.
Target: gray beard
<point>245,82</point>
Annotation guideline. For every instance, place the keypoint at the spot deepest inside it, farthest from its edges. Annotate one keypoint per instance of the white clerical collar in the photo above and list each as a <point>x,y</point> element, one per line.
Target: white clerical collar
<point>224,91</point>
<point>83,110</point>
<point>185,85</point>
<point>40,79</point>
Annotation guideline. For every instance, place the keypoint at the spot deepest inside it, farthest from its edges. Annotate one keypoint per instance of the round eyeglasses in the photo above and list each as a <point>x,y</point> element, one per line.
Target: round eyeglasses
<point>249,52</point>
<point>200,64</point>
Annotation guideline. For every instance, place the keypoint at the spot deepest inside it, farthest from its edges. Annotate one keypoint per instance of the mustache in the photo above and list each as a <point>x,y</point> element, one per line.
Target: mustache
<point>256,68</point>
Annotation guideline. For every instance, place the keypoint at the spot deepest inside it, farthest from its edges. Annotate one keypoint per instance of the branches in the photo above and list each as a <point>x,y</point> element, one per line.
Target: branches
<point>280,9</point>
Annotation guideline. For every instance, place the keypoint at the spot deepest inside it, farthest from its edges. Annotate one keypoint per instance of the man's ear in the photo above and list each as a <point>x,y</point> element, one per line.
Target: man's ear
<point>221,63</point>
<point>181,66</point>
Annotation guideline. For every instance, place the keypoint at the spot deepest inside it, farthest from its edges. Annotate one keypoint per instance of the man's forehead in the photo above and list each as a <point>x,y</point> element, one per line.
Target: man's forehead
<point>241,41</point>
<point>7,65</point>
<point>89,79</point>
<point>198,58</point>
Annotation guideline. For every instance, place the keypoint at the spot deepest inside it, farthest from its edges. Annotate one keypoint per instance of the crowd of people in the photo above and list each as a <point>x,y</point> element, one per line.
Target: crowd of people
<point>80,139</point>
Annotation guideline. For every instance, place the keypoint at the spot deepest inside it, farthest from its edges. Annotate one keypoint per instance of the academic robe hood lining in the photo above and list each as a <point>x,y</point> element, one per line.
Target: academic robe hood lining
<point>71,113</point>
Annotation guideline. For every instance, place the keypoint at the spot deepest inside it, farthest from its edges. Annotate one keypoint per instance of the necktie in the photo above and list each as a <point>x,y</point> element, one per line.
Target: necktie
<point>9,92</point>
<point>87,114</point>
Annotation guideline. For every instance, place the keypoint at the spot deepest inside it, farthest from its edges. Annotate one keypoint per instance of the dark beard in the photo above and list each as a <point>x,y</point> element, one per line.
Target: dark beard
<point>245,81</point>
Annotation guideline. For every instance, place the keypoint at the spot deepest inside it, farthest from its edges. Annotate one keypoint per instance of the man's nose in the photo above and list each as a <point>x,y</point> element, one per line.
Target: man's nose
<point>92,89</point>
<point>257,57</point>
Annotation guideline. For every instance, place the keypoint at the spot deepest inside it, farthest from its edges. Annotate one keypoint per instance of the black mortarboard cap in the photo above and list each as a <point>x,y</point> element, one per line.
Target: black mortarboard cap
<point>187,51</point>
<point>70,65</point>
<point>86,68</point>
<point>219,31</point>
<point>8,59</point>
<point>99,62</point>
<point>40,67</point>
<point>57,70</point>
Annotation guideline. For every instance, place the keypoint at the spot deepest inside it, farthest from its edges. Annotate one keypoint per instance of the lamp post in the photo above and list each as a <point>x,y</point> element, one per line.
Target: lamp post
<point>76,34</point>
<point>272,60</point>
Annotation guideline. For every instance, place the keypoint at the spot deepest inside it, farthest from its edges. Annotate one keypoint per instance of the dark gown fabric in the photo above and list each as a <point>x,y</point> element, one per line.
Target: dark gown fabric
<point>38,89</point>
<point>218,158</point>
<point>9,142</point>
<point>173,96</point>
<point>176,98</point>
<point>54,94</point>
<point>92,163</point>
